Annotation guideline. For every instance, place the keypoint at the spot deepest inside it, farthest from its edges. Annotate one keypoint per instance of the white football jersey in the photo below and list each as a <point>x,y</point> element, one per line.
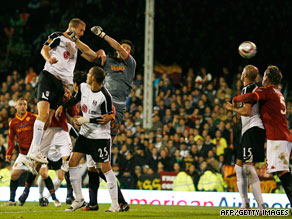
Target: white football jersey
<point>65,51</point>
<point>254,118</point>
<point>94,104</point>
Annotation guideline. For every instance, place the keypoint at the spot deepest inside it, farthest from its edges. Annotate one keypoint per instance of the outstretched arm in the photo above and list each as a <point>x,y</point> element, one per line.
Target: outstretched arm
<point>243,111</point>
<point>85,49</point>
<point>245,98</point>
<point>87,52</point>
<point>97,30</point>
<point>100,54</point>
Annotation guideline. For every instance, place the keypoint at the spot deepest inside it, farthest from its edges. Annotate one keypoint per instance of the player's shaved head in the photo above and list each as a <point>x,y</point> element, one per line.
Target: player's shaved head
<point>75,22</point>
<point>251,72</point>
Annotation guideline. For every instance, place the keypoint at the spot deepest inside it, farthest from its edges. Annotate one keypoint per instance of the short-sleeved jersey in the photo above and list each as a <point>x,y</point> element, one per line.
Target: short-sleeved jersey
<point>119,77</point>
<point>254,118</point>
<point>94,104</point>
<point>22,128</point>
<point>65,51</point>
<point>273,113</point>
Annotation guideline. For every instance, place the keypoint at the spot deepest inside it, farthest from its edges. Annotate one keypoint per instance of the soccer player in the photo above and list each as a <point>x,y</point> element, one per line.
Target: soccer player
<point>252,144</point>
<point>57,135</point>
<point>120,73</point>
<point>59,151</point>
<point>273,115</point>
<point>60,54</point>
<point>94,136</point>
<point>21,127</point>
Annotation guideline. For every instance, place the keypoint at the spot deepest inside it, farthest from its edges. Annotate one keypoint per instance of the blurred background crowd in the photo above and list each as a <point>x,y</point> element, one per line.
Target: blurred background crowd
<point>191,130</point>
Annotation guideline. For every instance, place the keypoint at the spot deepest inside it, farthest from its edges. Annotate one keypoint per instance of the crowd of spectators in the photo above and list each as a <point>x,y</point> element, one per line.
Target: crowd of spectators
<point>191,130</point>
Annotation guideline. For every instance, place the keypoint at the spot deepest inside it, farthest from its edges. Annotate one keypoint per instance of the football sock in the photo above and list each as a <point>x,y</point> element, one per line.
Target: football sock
<point>75,177</point>
<point>68,185</point>
<point>286,180</point>
<point>93,187</point>
<point>13,187</point>
<point>112,187</point>
<point>56,184</point>
<point>28,182</point>
<point>120,195</point>
<point>242,186</point>
<point>38,131</point>
<point>50,186</point>
<point>41,185</point>
<point>255,184</point>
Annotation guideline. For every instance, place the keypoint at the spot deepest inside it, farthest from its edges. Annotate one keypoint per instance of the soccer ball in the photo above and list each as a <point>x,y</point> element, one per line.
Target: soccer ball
<point>44,202</point>
<point>247,49</point>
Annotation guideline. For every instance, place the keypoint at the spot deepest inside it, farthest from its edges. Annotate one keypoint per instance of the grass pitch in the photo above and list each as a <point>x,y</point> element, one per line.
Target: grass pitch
<point>32,210</point>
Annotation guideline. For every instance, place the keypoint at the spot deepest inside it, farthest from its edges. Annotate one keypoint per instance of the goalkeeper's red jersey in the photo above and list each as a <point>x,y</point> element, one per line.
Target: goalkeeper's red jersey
<point>22,129</point>
<point>273,113</point>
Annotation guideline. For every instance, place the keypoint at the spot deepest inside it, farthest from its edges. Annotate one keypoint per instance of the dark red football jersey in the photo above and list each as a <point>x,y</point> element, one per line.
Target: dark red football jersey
<point>22,128</point>
<point>273,113</point>
<point>72,111</point>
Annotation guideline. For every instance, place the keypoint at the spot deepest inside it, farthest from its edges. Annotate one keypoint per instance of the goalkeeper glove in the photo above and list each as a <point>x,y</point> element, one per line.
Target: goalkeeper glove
<point>72,35</point>
<point>97,30</point>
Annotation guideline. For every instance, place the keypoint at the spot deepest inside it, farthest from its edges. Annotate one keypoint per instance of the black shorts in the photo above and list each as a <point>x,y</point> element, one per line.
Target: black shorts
<point>252,146</point>
<point>50,89</point>
<point>99,149</point>
<point>54,165</point>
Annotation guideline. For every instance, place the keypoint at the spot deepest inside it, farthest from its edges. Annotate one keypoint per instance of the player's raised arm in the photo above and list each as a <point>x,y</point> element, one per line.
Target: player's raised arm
<point>98,31</point>
<point>87,52</point>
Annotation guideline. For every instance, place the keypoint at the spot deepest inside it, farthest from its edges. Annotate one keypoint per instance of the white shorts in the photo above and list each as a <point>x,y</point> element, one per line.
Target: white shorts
<point>18,163</point>
<point>57,137</point>
<point>90,162</point>
<point>278,155</point>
